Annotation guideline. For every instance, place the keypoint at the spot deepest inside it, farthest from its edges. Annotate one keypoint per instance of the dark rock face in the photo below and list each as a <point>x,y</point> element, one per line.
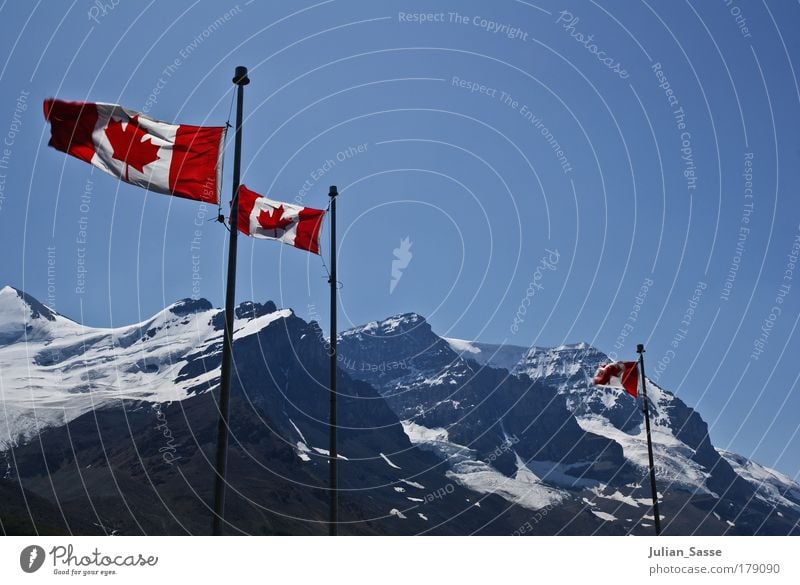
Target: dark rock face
<point>148,468</point>
<point>481,407</point>
<point>189,306</point>
<point>430,440</point>
<point>544,404</point>
<point>38,310</point>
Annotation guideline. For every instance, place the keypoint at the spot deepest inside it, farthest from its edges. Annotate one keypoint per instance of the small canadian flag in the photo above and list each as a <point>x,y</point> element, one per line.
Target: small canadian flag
<point>175,159</point>
<point>273,220</point>
<point>623,375</point>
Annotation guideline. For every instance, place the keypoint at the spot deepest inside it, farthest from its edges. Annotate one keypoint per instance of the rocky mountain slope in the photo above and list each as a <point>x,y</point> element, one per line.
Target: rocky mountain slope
<point>112,431</point>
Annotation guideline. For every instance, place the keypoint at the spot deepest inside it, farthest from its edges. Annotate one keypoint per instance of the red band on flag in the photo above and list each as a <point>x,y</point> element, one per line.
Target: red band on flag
<point>196,150</point>
<point>246,200</point>
<point>72,124</point>
<point>308,229</point>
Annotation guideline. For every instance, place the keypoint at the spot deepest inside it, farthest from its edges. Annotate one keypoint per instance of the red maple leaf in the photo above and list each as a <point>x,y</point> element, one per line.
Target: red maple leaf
<point>274,220</point>
<point>129,145</point>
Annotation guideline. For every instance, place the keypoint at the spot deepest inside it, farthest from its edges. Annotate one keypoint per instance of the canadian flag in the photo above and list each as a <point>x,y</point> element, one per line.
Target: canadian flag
<point>176,159</point>
<point>623,375</point>
<point>273,220</point>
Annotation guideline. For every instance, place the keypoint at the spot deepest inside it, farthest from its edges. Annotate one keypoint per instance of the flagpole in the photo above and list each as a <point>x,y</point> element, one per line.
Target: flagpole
<point>240,79</point>
<point>654,491</point>
<point>332,451</point>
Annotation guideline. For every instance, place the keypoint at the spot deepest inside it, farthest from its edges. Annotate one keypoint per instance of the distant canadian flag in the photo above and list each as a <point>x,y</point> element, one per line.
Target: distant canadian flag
<point>623,375</point>
<point>175,159</point>
<point>273,220</point>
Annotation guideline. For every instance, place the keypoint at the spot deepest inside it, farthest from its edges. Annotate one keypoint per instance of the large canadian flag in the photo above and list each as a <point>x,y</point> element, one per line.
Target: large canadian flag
<point>623,375</point>
<point>273,220</point>
<point>176,159</point>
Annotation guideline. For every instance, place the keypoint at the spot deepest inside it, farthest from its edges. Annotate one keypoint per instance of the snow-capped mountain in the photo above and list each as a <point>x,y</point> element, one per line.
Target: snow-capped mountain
<point>113,431</point>
<point>771,486</point>
<point>55,369</point>
<point>442,393</point>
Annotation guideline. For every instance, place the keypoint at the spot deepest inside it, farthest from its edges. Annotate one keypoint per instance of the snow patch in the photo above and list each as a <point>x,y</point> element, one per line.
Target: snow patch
<point>385,458</point>
<point>672,457</point>
<point>298,431</point>
<point>327,453</point>
<point>604,515</point>
<point>524,488</point>
<point>620,497</point>
<point>419,434</point>
<point>771,486</point>
<point>462,345</point>
<point>253,326</point>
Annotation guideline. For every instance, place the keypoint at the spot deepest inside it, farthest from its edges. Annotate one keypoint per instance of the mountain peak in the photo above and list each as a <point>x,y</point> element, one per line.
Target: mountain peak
<point>13,299</point>
<point>394,325</point>
<point>573,346</point>
<point>22,315</point>
<point>251,310</point>
<point>185,307</point>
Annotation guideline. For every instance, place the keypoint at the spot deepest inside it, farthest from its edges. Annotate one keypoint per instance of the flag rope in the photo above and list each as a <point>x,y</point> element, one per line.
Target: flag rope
<point>220,215</point>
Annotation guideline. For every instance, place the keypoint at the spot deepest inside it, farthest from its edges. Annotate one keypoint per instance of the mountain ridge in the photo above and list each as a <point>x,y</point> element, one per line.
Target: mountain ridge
<point>416,409</point>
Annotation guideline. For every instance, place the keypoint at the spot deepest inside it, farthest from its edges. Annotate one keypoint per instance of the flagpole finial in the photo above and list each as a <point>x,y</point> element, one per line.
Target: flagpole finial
<point>333,191</point>
<point>639,348</point>
<point>240,76</point>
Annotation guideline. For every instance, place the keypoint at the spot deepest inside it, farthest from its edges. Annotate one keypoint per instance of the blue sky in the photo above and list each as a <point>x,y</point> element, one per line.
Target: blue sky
<point>492,135</point>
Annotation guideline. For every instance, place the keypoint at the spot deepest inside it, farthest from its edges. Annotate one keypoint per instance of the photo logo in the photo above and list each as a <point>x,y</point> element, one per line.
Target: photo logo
<point>31,558</point>
<point>402,259</point>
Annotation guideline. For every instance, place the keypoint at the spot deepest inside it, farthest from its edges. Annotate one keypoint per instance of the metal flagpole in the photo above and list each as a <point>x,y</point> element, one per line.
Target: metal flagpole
<point>640,351</point>
<point>332,452</point>
<point>240,79</point>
